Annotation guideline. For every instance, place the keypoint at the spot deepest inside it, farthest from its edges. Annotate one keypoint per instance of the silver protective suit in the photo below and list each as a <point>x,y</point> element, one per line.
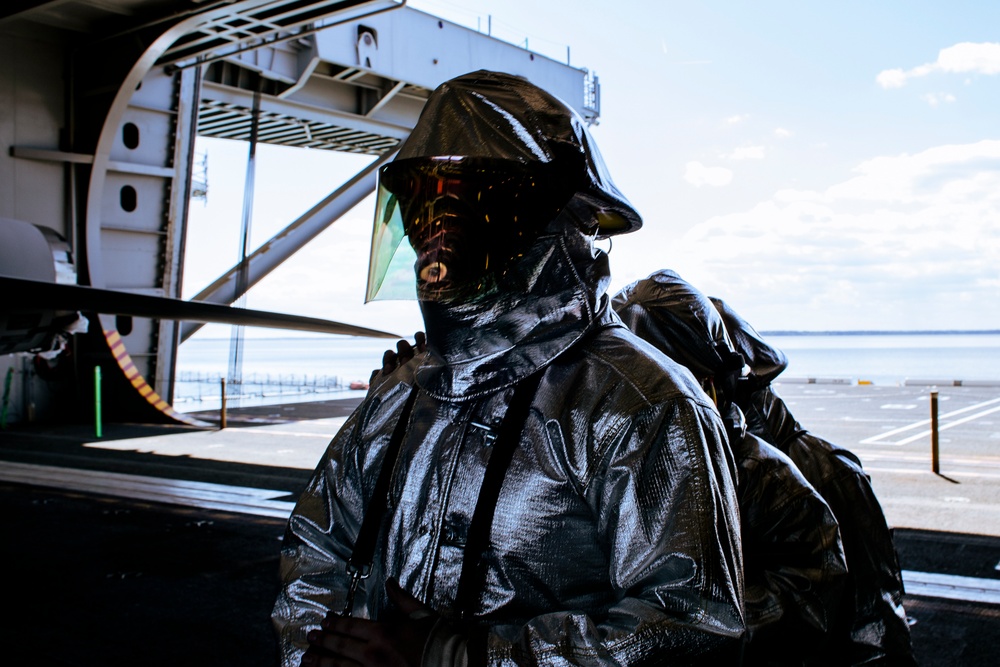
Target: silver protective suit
<point>871,626</point>
<point>616,535</point>
<point>792,554</point>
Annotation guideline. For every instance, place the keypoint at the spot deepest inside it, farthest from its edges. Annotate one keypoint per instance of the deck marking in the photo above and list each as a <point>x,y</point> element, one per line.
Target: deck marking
<point>876,439</point>
<point>952,587</point>
<point>944,427</point>
<point>239,499</point>
<point>925,470</point>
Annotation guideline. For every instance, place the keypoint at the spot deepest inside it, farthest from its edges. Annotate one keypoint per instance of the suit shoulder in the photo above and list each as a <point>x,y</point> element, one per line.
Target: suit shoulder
<point>628,359</point>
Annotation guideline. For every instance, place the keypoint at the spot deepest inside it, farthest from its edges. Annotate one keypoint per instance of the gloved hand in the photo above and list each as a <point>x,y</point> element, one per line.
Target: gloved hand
<point>391,360</point>
<point>404,352</point>
<point>397,641</point>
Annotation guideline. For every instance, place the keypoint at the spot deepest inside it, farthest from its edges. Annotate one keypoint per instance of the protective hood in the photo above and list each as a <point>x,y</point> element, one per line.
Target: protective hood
<point>766,362</point>
<point>490,118</point>
<point>505,117</point>
<point>680,321</point>
<point>554,291</point>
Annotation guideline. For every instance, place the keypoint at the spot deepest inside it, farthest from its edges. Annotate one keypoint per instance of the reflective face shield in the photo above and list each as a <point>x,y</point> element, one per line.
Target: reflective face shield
<point>465,220</point>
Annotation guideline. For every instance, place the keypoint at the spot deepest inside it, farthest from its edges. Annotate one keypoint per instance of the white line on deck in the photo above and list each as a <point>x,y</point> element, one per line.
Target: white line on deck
<point>952,587</point>
<point>298,434</point>
<point>878,439</point>
<point>240,499</point>
<point>923,469</point>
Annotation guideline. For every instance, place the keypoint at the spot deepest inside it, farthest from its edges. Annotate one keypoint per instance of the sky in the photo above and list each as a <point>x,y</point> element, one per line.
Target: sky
<point>820,166</point>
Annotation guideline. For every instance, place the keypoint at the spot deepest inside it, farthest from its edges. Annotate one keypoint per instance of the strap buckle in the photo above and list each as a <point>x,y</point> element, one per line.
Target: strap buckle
<point>490,435</point>
<point>357,574</point>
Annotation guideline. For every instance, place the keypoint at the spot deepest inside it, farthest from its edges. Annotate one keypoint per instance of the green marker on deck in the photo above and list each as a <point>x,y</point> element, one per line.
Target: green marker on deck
<point>97,401</point>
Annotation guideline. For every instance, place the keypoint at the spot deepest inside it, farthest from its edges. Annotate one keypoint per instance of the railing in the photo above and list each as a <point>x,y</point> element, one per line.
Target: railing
<point>195,387</point>
<point>592,97</point>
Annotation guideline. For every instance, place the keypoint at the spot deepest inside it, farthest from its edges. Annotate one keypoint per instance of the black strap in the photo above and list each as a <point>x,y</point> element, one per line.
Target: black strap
<point>478,539</point>
<point>361,559</point>
<point>508,437</point>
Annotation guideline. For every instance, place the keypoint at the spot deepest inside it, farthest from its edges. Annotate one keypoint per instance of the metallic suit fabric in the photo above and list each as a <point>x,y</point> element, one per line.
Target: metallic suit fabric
<point>794,561</point>
<point>871,624</point>
<point>615,540</point>
<point>793,558</point>
<point>616,536</point>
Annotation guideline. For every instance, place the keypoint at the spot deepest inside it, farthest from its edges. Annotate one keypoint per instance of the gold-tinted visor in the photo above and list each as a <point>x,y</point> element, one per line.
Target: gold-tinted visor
<point>464,220</point>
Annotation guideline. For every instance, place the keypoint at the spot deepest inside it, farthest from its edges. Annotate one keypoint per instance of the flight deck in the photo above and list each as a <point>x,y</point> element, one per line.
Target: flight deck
<point>162,541</point>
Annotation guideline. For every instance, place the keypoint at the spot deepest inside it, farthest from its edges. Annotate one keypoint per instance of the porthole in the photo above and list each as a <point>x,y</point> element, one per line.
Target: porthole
<point>130,135</point>
<point>128,198</point>
<point>123,323</point>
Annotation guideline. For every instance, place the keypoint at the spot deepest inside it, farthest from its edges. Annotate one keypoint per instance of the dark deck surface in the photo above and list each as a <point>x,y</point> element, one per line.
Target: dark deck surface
<point>96,580</point>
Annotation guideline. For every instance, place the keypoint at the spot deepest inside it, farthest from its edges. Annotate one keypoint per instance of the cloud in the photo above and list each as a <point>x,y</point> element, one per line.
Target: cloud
<point>965,57</point>
<point>737,119</point>
<point>698,175</point>
<point>782,132</point>
<point>891,78</point>
<point>746,153</point>
<point>908,242</point>
<point>934,99</point>
<point>971,57</point>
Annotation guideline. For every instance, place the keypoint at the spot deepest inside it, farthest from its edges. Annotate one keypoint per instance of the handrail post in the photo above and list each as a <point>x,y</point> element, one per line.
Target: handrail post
<point>222,413</point>
<point>935,463</point>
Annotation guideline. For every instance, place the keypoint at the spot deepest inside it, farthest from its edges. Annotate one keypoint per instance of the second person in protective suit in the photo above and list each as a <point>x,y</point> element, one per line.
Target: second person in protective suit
<point>793,559</point>
<point>871,627</point>
<point>539,487</point>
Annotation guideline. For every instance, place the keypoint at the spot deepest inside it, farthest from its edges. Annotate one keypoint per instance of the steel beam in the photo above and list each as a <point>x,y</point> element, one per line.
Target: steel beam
<point>290,240</point>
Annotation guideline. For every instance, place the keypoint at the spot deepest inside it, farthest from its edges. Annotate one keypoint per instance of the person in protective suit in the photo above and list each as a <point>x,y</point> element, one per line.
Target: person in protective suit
<point>871,627</point>
<point>539,487</point>
<point>793,560</point>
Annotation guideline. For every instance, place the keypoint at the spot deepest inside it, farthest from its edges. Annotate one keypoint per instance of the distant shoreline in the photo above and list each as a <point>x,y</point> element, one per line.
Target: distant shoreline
<point>777,332</point>
<point>944,332</point>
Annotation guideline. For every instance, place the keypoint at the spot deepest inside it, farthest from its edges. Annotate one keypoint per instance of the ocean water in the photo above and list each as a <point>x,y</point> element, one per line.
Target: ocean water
<point>891,358</point>
<point>279,370</point>
<point>275,370</point>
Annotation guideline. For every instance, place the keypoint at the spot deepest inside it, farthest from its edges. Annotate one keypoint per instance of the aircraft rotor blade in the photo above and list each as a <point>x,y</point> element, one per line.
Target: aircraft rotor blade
<point>20,295</point>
